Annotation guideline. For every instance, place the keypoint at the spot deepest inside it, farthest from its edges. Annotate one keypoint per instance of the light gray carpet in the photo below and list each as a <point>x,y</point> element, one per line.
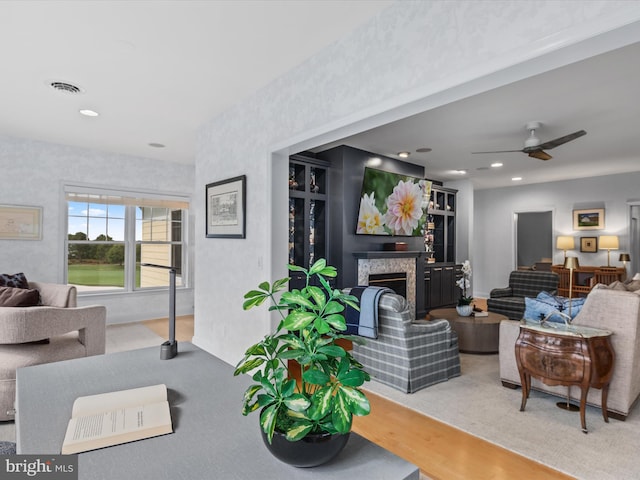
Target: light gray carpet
<point>477,403</point>
<point>120,337</point>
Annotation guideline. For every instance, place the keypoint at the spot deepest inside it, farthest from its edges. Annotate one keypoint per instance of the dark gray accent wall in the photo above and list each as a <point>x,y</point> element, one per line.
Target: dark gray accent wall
<point>345,183</point>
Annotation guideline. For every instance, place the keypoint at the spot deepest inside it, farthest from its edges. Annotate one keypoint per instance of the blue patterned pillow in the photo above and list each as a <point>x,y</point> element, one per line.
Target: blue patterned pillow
<point>545,303</point>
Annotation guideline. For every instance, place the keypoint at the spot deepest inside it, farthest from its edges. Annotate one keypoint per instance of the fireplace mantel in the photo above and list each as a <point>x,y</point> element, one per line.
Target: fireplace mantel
<point>388,254</point>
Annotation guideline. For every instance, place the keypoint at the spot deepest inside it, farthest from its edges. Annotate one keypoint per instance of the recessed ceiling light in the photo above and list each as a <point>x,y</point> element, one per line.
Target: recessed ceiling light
<point>403,154</point>
<point>461,172</point>
<point>496,164</point>
<point>89,113</point>
<point>156,145</point>
<point>423,150</point>
<point>516,179</point>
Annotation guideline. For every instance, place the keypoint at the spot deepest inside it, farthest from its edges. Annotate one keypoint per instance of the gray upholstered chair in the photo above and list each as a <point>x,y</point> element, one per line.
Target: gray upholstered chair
<point>56,330</point>
<point>509,300</point>
<point>408,355</point>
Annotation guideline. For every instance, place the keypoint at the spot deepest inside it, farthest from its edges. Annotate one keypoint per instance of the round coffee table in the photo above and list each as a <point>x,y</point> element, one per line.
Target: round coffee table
<point>475,334</point>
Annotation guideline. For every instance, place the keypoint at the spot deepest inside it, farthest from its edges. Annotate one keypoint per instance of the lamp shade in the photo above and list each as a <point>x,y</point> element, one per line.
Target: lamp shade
<point>624,257</point>
<point>608,242</point>
<point>565,243</point>
<point>571,263</point>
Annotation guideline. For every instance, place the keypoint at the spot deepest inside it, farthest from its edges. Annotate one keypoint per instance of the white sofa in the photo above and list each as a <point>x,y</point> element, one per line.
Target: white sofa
<point>55,330</point>
<point>605,308</point>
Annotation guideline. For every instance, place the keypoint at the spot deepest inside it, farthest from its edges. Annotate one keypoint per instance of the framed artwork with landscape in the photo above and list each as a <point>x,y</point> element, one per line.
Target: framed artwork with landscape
<point>588,219</point>
<point>226,208</point>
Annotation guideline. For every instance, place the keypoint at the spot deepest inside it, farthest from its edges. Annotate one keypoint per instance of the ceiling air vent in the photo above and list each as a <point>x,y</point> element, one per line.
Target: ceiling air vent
<point>66,87</point>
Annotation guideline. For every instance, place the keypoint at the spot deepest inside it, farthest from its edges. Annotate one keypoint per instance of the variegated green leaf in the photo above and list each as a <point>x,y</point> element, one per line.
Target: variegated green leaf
<point>315,377</point>
<point>296,268</point>
<point>297,298</point>
<point>320,403</point>
<point>321,326</point>
<point>318,296</point>
<point>297,320</point>
<point>337,321</point>
<point>333,307</point>
<point>268,387</point>
<point>352,378</point>
<point>298,431</point>
<point>297,402</point>
<point>356,400</point>
<point>333,350</point>
<point>268,420</point>
<point>248,366</point>
<point>291,354</point>
<point>317,266</point>
<point>288,388</point>
<point>280,284</point>
<point>251,391</point>
<point>341,415</point>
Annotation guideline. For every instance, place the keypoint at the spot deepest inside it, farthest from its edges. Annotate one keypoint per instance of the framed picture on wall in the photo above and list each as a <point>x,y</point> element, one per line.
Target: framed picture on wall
<point>226,208</point>
<point>20,223</point>
<point>589,244</point>
<point>588,219</point>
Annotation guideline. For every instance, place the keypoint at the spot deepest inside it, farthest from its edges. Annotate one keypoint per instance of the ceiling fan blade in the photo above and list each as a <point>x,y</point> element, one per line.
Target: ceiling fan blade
<point>540,155</point>
<point>502,151</point>
<point>559,141</point>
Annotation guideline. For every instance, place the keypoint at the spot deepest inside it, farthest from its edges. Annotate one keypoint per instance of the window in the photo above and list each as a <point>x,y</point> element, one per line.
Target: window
<point>124,241</point>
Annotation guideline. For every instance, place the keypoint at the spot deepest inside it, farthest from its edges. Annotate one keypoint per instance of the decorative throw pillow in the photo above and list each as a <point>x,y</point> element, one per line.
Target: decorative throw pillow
<point>18,297</point>
<point>546,304</point>
<point>617,285</point>
<point>17,280</point>
<point>633,285</point>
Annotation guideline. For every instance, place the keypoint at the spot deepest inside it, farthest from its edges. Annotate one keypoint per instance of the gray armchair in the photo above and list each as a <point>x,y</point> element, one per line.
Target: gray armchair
<point>56,330</point>
<point>408,355</point>
<point>509,300</point>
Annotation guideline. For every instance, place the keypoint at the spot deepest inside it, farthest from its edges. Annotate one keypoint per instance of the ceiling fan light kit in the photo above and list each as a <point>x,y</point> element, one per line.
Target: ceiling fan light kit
<point>535,149</point>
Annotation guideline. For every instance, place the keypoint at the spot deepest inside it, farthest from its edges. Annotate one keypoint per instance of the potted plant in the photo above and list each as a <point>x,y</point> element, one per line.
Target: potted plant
<point>298,413</point>
<point>464,307</point>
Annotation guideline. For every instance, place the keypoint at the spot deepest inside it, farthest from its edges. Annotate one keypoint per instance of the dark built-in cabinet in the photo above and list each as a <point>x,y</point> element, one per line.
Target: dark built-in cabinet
<point>440,270</point>
<point>308,213</point>
<point>440,289</point>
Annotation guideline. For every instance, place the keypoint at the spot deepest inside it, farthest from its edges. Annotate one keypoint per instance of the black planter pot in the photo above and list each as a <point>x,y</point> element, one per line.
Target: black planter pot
<point>311,451</point>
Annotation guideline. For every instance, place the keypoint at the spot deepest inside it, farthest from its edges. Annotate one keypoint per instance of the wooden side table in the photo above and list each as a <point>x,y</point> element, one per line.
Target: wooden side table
<point>565,355</point>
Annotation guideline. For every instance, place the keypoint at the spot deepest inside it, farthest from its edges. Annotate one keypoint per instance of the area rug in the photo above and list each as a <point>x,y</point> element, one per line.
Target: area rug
<point>477,403</point>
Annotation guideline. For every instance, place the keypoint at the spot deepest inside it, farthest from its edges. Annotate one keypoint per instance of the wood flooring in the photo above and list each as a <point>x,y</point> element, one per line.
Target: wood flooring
<point>439,450</point>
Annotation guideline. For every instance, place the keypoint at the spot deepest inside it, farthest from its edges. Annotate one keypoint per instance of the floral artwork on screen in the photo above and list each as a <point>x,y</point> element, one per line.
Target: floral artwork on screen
<point>392,204</point>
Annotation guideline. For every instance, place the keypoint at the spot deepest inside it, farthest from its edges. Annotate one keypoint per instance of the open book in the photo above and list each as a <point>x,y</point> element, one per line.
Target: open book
<point>113,418</point>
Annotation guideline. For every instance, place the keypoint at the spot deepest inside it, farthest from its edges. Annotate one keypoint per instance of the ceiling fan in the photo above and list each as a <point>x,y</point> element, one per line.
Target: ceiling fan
<point>535,149</point>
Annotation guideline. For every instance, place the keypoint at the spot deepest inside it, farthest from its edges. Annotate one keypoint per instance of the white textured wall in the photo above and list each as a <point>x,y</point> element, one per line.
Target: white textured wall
<point>494,232</point>
<point>412,49</point>
<point>33,173</point>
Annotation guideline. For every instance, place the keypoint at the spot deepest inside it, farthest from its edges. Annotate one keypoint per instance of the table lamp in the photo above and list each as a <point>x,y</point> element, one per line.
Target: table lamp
<point>624,258</point>
<point>571,263</point>
<point>565,243</point>
<point>608,243</point>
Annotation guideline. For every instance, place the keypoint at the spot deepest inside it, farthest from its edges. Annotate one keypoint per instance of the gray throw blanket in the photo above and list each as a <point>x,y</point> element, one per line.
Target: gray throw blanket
<point>365,322</point>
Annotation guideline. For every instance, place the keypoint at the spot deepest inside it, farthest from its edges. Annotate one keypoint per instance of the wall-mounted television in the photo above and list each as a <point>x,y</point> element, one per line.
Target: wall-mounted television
<point>392,204</point>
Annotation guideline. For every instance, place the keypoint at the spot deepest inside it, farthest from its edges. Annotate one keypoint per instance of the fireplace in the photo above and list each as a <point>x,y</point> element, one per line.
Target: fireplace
<point>390,265</point>
<point>396,281</point>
